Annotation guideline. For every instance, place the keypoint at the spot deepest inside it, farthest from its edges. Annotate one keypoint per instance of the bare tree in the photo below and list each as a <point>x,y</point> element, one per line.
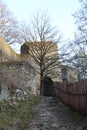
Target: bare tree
<point>37,29</point>
<point>81,17</point>
<point>78,47</point>
<point>8,24</point>
<point>23,32</point>
<point>81,22</point>
<point>42,46</point>
<point>77,57</point>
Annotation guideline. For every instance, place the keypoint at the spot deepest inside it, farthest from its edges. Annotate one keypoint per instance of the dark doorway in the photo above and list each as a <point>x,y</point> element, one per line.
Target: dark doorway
<point>47,86</point>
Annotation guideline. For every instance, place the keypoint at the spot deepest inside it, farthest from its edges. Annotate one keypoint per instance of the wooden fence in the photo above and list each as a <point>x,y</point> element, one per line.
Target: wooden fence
<point>74,95</point>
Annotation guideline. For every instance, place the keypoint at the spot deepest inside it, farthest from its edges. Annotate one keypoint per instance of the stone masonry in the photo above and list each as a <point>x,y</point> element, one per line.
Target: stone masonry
<point>22,72</point>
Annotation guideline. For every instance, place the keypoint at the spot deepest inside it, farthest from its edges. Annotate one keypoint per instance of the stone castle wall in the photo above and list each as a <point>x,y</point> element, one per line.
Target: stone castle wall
<point>22,72</point>
<point>18,67</point>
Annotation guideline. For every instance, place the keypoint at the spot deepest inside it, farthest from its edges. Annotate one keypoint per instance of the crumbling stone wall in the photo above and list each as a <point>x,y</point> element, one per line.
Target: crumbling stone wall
<point>22,72</point>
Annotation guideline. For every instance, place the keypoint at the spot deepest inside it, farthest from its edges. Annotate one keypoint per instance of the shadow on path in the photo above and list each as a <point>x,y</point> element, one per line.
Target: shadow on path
<point>53,115</point>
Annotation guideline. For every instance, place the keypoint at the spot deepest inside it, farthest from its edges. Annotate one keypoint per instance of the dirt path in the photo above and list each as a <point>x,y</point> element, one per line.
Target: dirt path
<point>53,115</point>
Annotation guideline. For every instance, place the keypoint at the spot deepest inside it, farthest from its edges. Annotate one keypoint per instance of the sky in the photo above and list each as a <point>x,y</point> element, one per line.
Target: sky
<point>60,12</point>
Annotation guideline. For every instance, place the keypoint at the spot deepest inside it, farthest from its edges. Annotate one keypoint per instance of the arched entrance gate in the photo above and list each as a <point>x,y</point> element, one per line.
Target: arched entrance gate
<point>47,85</point>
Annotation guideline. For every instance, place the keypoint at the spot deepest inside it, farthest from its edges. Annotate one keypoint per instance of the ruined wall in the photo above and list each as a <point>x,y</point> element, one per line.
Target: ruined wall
<point>6,52</point>
<point>19,67</point>
<point>22,72</point>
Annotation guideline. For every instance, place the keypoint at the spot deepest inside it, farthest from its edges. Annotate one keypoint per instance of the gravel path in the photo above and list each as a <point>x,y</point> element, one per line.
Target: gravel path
<point>53,115</point>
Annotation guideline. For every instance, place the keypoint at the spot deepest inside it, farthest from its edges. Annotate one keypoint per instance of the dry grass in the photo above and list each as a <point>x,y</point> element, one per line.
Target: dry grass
<point>19,115</point>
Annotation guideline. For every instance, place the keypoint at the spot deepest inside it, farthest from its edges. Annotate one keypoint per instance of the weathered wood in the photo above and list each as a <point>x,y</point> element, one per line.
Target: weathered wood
<point>74,95</point>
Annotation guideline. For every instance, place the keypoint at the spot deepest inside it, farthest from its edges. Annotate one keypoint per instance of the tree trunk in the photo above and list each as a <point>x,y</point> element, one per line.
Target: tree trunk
<point>41,87</point>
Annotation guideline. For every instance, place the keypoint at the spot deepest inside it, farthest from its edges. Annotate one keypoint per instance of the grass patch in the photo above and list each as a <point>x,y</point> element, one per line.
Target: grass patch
<point>19,115</point>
